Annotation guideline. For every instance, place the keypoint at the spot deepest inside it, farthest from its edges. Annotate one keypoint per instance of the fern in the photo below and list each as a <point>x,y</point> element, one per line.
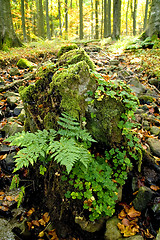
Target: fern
<point>71,128</point>
<point>42,146</point>
<point>67,152</point>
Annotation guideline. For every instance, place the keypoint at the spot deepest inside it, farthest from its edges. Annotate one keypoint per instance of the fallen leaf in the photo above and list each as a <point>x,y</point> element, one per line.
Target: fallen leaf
<point>46,217</point>
<point>41,234</point>
<point>132,213</point>
<point>9,198</point>
<point>122,214</point>
<point>36,223</point>
<point>155,188</point>
<point>29,213</point>
<point>42,222</point>
<point>125,222</point>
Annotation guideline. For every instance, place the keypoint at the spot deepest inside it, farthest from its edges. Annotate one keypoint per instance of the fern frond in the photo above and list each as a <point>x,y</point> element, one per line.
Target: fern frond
<point>67,152</point>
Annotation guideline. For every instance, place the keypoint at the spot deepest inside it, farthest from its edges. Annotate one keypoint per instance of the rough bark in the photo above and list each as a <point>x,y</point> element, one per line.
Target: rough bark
<point>146,15</point>
<point>116,19</point>
<point>23,21</point>
<point>8,37</point>
<point>109,18</point>
<point>47,21</point>
<point>66,18</point>
<point>81,19</point>
<point>96,18</point>
<point>59,17</point>
<point>134,17</point>
<point>105,18</point>
<point>153,27</point>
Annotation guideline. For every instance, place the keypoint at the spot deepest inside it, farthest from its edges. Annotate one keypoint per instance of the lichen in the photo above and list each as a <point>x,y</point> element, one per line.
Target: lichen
<point>75,56</point>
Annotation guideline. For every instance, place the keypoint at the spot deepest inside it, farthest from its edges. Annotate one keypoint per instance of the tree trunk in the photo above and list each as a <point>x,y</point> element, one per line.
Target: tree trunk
<point>8,37</point>
<point>153,27</point>
<point>47,21</point>
<point>92,31</point>
<point>105,19</point>
<point>40,19</point>
<point>146,15</point>
<point>23,21</point>
<point>109,19</point>
<point>81,19</point>
<point>96,17</point>
<point>127,17</point>
<point>116,19</point>
<point>134,17</point>
<point>59,16</point>
<point>66,19</point>
<point>102,19</point>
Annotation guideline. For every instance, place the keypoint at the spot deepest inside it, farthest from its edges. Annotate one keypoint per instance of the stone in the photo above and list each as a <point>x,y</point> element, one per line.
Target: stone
<point>155,82</point>
<point>155,130</point>
<point>12,98</point>
<point>142,199</point>
<point>154,145</point>
<point>112,232</point>
<point>136,86</point>
<point>24,63</point>
<point>14,71</point>
<point>88,225</point>
<point>136,237</point>
<point>146,125</point>
<point>17,110</point>
<point>6,230</point>
<point>66,48</point>
<point>11,128</point>
<point>114,62</point>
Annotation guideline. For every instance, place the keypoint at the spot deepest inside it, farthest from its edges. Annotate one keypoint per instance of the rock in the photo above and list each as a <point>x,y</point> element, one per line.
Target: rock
<point>136,237</point>
<point>14,71</point>
<point>154,145</point>
<point>75,56</point>
<point>12,98</point>
<point>146,125</point>
<point>12,128</point>
<point>142,199</point>
<point>114,62</point>
<point>6,230</point>
<point>24,63</point>
<point>17,110</point>
<point>5,148</point>
<point>67,48</point>
<point>88,225</point>
<point>8,163</point>
<point>136,86</point>
<point>112,232</point>
<point>145,99</point>
<point>155,82</point>
<point>155,130</point>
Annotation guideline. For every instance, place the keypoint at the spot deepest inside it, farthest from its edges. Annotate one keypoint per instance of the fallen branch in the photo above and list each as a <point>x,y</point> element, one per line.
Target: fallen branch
<point>17,82</point>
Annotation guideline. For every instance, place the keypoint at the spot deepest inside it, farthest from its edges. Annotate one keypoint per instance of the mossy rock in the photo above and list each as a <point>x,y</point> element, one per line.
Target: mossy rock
<point>66,48</point>
<point>24,63</point>
<point>75,56</point>
<point>46,70</point>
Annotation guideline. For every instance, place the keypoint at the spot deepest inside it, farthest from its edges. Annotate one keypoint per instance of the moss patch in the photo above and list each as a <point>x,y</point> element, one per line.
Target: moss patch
<point>66,48</point>
<point>75,56</point>
<point>24,63</point>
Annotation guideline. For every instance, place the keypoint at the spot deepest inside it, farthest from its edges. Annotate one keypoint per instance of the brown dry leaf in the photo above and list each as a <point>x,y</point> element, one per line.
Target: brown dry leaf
<point>16,198</point>
<point>9,198</point>
<point>128,230</point>
<point>41,234</point>
<point>46,217</point>
<point>29,213</point>
<point>132,213</point>
<point>42,222</point>
<point>2,193</point>
<point>3,208</point>
<point>29,225</point>
<point>125,222</point>
<point>148,234</point>
<point>3,156</point>
<point>36,223</point>
<point>155,188</point>
<point>122,214</point>
<point>1,198</point>
<point>53,234</point>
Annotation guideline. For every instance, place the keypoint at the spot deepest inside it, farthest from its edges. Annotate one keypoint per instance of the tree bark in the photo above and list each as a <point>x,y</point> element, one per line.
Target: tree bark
<point>109,19</point>
<point>59,16</point>
<point>92,31</point>
<point>134,17</point>
<point>127,17</point>
<point>81,19</point>
<point>8,37</point>
<point>116,19</point>
<point>146,15</point>
<point>96,17</point>
<point>47,21</point>
<point>23,21</point>
<point>153,27</point>
<point>105,19</point>
<point>66,19</point>
<point>40,19</point>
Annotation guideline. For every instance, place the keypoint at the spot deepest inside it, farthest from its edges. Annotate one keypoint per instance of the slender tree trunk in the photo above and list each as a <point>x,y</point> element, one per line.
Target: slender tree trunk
<point>134,17</point>
<point>41,19</point>
<point>102,19</point>
<point>105,19</point>
<point>23,21</point>
<point>96,18</point>
<point>8,37</point>
<point>52,22</point>
<point>109,19</point>
<point>71,3</point>
<point>92,31</point>
<point>47,21</point>
<point>116,19</point>
<point>81,19</point>
<point>66,18</point>
<point>59,16</point>
<point>127,17</point>
<point>146,14</point>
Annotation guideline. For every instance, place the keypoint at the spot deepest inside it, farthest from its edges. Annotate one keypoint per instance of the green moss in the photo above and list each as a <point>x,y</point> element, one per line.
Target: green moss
<point>73,84</point>
<point>146,99</point>
<point>45,70</point>
<point>75,56</point>
<point>66,48</point>
<point>24,63</point>
<point>49,121</point>
<point>27,93</point>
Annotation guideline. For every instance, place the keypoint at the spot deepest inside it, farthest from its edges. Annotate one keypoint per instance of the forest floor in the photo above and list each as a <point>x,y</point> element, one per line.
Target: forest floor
<point>113,62</point>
